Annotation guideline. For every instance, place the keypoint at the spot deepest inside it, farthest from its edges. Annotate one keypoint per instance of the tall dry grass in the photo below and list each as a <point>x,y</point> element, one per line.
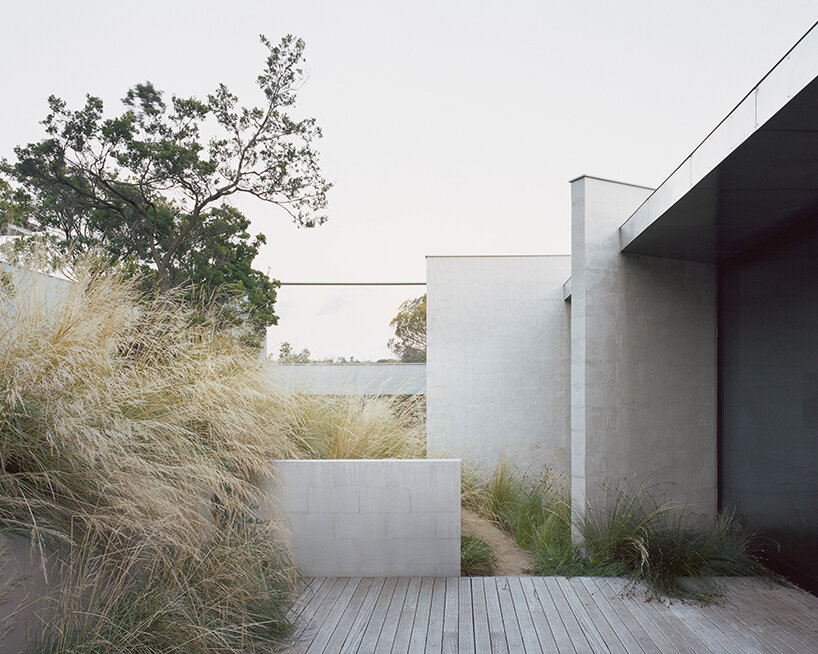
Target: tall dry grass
<point>131,441</point>
<point>357,427</point>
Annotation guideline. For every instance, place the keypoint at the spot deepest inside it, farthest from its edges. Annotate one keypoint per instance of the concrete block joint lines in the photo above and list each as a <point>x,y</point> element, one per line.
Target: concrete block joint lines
<point>371,518</point>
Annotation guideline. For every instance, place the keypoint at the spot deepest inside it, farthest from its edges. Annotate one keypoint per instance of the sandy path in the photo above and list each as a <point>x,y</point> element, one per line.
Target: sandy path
<point>512,560</point>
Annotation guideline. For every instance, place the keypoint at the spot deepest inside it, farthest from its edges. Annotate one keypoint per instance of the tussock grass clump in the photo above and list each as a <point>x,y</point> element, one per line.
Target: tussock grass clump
<point>634,535</point>
<point>627,534</point>
<point>126,430</point>
<point>357,427</point>
<point>476,557</point>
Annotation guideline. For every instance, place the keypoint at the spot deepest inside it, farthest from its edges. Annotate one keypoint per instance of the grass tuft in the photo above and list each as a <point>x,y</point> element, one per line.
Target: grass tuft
<point>476,557</point>
<point>357,427</point>
<point>629,534</point>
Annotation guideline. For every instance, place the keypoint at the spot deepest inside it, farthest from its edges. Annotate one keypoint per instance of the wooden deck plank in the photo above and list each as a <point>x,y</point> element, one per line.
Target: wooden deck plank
<point>618,640</point>
<point>781,633</point>
<point>482,637</point>
<point>434,636</point>
<point>465,617</point>
<point>796,607</point>
<point>531,640</point>
<point>538,616</point>
<point>361,620</point>
<point>320,613</point>
<point>420,627</point>
<point>579,639</point>
<point>621,621</point>
<point>333,617</point>
<point>512,628</point>
<point>450,616</point>
<point>552,614</point>
<point>308,611</point>
<point>376,620</point>
<point>497,632</point>
<point>617,590</point>
<point>350,612</point>
<point>589,629</point>
<point>403,634</point>
<point>393,613</point>
<point>308,589</point>
<point>546,614</point>
<point>682,637</point>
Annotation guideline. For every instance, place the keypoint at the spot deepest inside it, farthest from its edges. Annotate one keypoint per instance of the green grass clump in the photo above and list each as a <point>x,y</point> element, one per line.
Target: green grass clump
<point>629,534</point>
<point>132,441</point>
<point>476,557</point>
<point>661,545</point>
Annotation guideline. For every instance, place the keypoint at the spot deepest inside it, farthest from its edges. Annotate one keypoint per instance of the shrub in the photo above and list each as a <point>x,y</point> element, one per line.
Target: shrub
<point>476,557</point>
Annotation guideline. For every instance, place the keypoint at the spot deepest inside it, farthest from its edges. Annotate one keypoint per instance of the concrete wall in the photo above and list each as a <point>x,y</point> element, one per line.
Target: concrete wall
<point>25,584</point>
<point>351,378</point>
<point>498,360</point>
<point>643,370</point>
<point>368,518</point>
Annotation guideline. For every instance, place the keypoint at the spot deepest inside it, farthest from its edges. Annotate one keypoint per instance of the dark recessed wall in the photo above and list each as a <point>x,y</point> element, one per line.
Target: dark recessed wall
<point>768,349</point>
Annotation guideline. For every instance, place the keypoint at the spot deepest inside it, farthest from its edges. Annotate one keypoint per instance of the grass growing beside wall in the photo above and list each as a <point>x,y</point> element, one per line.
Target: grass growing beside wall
<point>131,445</point>
<point>476,557</point>
<point>630,534</point>
<point>357,427</point>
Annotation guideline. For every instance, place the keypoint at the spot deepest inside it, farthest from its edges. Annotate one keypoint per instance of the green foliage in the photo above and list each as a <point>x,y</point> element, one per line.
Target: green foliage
<point>152,190</point>
<point>15,207</point>
<point>476,557</point>
<point>629,534</point>
<point>287,355</point>
<point>660,545</point>
<point>410,331</point>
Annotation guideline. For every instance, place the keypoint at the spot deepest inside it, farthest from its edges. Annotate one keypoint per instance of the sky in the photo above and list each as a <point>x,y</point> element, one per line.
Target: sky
<point>450,128</point>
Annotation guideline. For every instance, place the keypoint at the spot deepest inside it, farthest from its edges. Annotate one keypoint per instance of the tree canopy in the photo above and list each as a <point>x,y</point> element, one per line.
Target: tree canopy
<point>152,184</point>
<point>410,331</point>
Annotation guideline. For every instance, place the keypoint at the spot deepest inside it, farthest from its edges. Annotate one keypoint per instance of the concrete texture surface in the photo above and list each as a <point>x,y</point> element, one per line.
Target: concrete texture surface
<point>643,369</point>
<point>351,378</point>
<point>498,361</point>
<point>371,517</point>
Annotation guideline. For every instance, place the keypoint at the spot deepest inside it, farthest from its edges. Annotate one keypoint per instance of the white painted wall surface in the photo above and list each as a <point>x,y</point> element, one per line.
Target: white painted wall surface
<point>643,371</point>
<point>498,361</point>
<point>351,378</point>
<point>365,518</point>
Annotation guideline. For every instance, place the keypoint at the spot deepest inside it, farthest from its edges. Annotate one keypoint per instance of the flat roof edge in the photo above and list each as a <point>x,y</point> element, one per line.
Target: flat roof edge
<point>790,75</point>
<point>611,181</point>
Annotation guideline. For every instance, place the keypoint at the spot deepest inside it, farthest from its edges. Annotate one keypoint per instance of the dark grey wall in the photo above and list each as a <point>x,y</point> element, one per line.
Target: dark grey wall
<point>768,338</point>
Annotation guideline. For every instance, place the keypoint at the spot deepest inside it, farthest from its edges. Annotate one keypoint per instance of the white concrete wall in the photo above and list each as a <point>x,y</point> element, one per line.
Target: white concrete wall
<point>367,518</point>
<point>643,370</point>
<point>498,361</point>
<point>351,378</point>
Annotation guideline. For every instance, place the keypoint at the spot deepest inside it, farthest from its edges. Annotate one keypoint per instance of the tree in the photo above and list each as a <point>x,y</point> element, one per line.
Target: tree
<point>149,188</point>
<point>410,331</point>
<point>286,354</point>
<point>15,208</point>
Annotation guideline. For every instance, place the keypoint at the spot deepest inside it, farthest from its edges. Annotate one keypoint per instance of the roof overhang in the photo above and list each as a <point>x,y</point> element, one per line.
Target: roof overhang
<point>754,176</point>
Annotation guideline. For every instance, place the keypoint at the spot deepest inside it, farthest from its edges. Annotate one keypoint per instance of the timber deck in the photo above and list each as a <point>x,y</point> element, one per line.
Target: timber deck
<point>547,614</point>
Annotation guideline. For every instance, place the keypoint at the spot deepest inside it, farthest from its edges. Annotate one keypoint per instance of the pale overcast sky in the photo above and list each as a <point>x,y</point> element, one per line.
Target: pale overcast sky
<point>449,127</point>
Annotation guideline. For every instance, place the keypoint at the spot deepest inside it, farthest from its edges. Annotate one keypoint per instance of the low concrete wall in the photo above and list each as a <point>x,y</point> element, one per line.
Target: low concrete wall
<point>366,518</point>
<point>351,378</point>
